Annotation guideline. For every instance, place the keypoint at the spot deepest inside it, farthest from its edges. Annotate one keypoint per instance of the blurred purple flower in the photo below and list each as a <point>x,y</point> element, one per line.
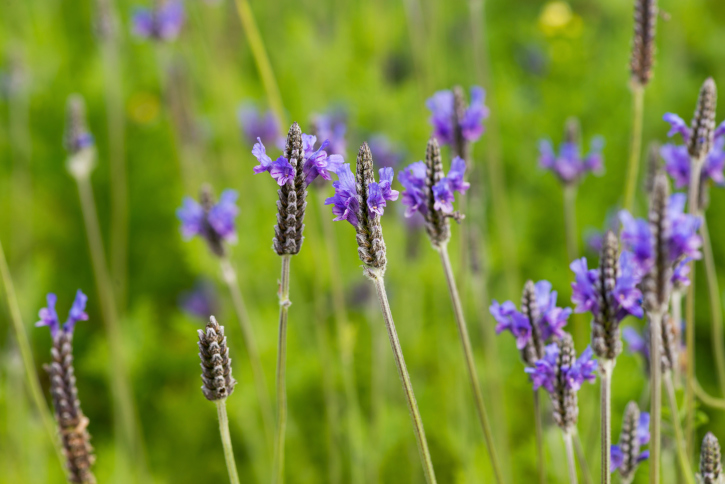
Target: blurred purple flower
<point>318,162</point>
<point>385,153</point>
<point>677,159</point>
<point>413,180</point>
<point>510,319</point>
<point>636,343</point>
<point>217,223</point>
<point>332,127</point>
<point>258,127</point>
<point>617,455</point>
<point>49,316</point>
<point>569,165</point>
<point>163,22</point>
<point>441,105</point>
<point>543,374</point>
<point>545,371</point>
<point>201,301</point>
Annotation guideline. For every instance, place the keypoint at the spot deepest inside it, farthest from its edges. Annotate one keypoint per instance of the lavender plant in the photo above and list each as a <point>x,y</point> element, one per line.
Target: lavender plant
<point>570,167</point>
<point>215,223</point>
<point>361,201</point>
<point>609,293</point>
<point>642,59</point>
<point>539,321</point>
<point>218,383</point>
<point>72,423</point>
<point>627,454</point>
<point>431,193</point>
<point>562,374</point>
<point>710,460</point>
<point>257,125</point>
<point>299,166</point>
<point>162,22</point>
<point>81,161</point>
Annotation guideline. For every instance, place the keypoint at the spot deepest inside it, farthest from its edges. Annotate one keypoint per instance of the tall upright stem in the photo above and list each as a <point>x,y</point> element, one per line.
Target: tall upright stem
<point>571,465</point>
<point>539,438</point>
<point>605,377</point>
<point>221,408</point>
<point>250,344</point>
<point>31,373</point>
<point>636,145</point>
<point>655,349</point>
<point>692,206</point>
<point>581,456</point>
<point>125,421</point>
<point>676,305</point>
<point>117,157</point>
<point>572,251</point>
<point>470,362</point>
<point>679,438</point>
<point>261,59</point>
<point>718,343</point>
<point>426,461</point>
<point>284,304</point>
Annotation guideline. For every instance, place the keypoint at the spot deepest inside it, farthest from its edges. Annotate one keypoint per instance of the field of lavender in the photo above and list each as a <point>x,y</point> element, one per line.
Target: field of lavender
<point>209,181</point>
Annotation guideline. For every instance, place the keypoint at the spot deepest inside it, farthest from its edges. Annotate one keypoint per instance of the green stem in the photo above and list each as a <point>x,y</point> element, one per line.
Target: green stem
<point>250,344</point>
<point>692,205</point>
<point>470,362</point>
<point>221,408</point>
<point>539,438</point>
<point>679,438</point>
<point>656,396</point>
<point>718,343</point>
<point>572,250</point>
<point>676,305</point>
<point>571,464</point>
<point>261,59</point>
<point>126,424</point>
<point>636,145</point>
<point>404,378</point>
<point>581,457</point>
<point>284,304</point>
<point>708,399</point>
<point>606,368</point>
<point>31,374</point>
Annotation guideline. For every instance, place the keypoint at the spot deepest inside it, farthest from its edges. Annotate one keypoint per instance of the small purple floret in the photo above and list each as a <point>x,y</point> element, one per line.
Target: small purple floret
<point>441,105</point>
<point>49,316</point>
<point>569,165</point>
<point>163,23</point>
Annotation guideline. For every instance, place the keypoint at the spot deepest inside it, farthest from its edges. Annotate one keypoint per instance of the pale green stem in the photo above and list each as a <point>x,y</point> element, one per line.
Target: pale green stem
<point>636,145</point>
<point>345,343</point>
<point>679,438</point>
<point>250,344</point>
<point>31,374</point>
<point>284,304</point>
<point>606,368</point>
<point>718,343</point>
<point>692,205</point>
<point>572,251</point>
<point>221,408</point>
<point>571,464</point>
<point>581,457</point>
<point>117,158</point>
<point>539,438</point>
<point>470,361</point>
<point>676,303</point>
<point>126,424</point>
<point>655,349</point>
<point>426,461</point>
<point>708,399</point>
<point>261,59</point>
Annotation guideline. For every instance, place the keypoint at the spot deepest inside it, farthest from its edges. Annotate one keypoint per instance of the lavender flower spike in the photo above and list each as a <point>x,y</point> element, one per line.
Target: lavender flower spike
<point>163,22</point>
<point>214,222</point>
<point>626,456</point>
<point>710,460</point>
<point>258,127</point>
<point>569,165</point>
<point>453,122</point>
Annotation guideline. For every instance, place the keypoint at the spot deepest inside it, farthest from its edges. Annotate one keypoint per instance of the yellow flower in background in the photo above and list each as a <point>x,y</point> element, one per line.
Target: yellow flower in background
<point>557,19</point>
<point>143,108</point>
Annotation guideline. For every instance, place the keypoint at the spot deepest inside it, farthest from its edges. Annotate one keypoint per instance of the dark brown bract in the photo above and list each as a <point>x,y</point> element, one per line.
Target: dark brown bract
<point>216,366</point>
<point>371,246</point>
<point>292,203</point>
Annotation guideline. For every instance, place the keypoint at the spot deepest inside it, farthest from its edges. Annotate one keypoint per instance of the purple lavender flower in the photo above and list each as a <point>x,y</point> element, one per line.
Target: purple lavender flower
<point>161,23</point>
<point>677,158</point>
<point>584,293</point>
<point>214,223</point>
<point>49,316</point>
<point>642,436</point>
<point>544,372</point>
<point>344,202</point>
<point>385,152</point>
<point>258,127</point>
<point>636,344</point>
<point>441,105</point>
<point>201,301</point>
<point>583,369</point>
<point>413,179</point>
<point>569,165</point>
<point>510,319</point>
<point>332,127</point>
<point>315,163</point>
<point>680,273</point>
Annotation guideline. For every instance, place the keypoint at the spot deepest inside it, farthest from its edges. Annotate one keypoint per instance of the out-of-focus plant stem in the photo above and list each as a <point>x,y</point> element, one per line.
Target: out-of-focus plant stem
<point>679,437</point>
<point>636,145</point>
<point>571,464</point>
<point>284,304</point>
<point>708,399</point>
<point>655,319</point>
<point>31,374</point>
<point>261,59</point>
<point>581,457</point>
<point>539,438</point>
<point>250,344</point>
<point>572,250</point>
<point>718,344</point>
<point>606,368</point>
<point>221,407</point>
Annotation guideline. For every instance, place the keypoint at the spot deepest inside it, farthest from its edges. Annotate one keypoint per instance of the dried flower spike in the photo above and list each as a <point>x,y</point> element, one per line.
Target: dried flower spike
<point>702,128</point>
<point>710,464</point>
<point>654,166</point>
<point>626,455</point>
<point>657,282</point>
<point>530,309</point>
<point>290,208</point>
<point>216,366</point>
<point>436,224</point>
<point>643,42</point>
<point>605,326</point>
<point>72,423</point>
<point>211,220</point>
<point>371,246</point>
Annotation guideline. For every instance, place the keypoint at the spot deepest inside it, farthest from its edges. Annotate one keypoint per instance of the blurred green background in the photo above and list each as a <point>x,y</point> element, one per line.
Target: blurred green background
<point>539,63</point>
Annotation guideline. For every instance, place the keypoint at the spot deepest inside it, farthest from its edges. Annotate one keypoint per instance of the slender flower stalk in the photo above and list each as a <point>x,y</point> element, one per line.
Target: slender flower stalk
<point>710,460</point>
<point>31,375</point>
<point>361,200</point>
<point>571,462</point>
<point>572,249</point>
<point>284,304</point>
<point>539,439</point>
<point>80,164</point>
<point>72,423</point>
<point>626,455</point>
<point>680,445</point>
<point>581,457</point>
<point>605,404</point>
<point>718,339</point>
<point>643,47</point>
<point>218,383</point>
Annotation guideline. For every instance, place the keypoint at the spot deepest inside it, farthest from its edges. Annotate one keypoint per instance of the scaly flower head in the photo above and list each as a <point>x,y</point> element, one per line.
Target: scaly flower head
<point>345,203</point>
